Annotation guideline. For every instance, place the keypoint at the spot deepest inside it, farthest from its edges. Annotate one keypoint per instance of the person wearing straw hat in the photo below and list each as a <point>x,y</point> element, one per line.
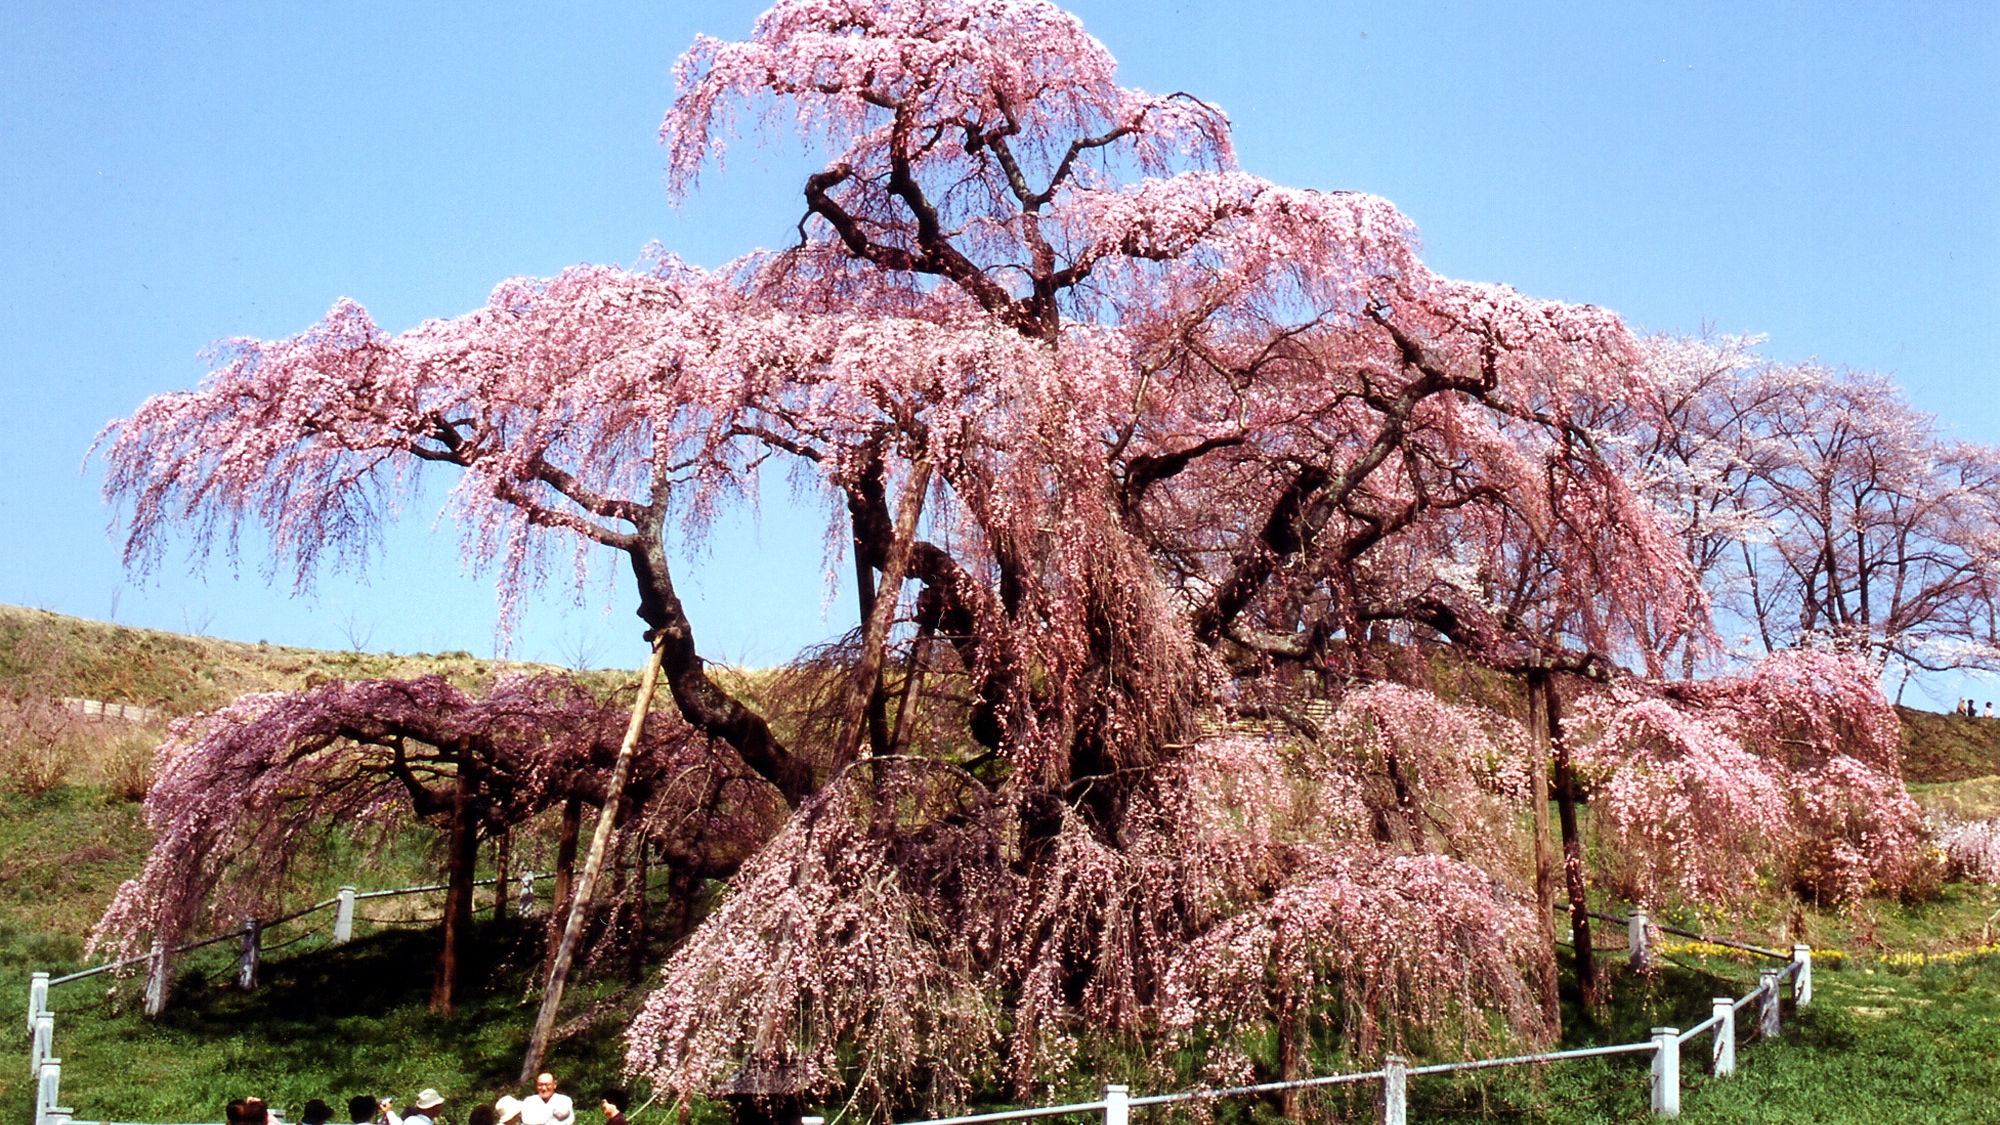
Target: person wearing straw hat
<point>424,1112</point>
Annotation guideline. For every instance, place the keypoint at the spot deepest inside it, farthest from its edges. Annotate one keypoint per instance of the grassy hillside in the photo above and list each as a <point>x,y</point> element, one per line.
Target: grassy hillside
<point>69,656</point>
<point>1942,748</point>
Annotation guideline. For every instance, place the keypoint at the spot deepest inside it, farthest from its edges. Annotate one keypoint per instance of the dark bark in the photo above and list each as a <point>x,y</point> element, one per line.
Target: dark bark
<point>1538,773</point>
<point>1572,842</point>
<point>503,850</point>
<point>864,692</point>
<point>1406,801</point>
<point>700,700</point>
<point>572,824</point>
<point>463,847</point>
<point>640,920</point>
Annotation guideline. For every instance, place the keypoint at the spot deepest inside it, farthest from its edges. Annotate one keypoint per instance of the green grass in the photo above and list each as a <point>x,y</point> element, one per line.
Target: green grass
<point>329,1023</point>
<point>62,855</point>
<point>1877,1047</point>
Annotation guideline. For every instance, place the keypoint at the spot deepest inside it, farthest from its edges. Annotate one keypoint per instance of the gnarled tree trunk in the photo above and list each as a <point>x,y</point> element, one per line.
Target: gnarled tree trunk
<point>463,848</point>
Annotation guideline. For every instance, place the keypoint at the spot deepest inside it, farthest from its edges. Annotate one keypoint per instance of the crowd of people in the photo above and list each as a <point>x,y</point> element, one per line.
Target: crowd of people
<point>546,1106</point>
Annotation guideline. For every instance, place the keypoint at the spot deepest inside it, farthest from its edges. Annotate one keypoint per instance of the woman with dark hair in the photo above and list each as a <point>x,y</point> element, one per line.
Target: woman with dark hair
<point>316,1112</point>
<point>615,1103</point>
<point>484,1115</point>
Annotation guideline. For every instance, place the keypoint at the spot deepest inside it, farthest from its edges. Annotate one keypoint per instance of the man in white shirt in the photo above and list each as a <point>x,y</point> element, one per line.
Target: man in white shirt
<point>546,1107</point>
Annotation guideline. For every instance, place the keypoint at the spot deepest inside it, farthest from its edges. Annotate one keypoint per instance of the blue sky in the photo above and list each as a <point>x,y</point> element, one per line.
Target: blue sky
<point>1826,174</point>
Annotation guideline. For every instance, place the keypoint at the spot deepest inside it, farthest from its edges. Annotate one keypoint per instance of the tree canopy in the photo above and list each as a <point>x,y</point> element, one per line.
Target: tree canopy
<point>1159,447</point>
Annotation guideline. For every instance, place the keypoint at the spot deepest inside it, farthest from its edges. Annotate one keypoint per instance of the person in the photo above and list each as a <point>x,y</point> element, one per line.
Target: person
<point>233,1112</point>
<point>616,1101</point>
<point>425,1110</point>
<point>545,1106</point>
<point>255,1112</point>
<point>316,1112</point>
<point>364,1108</point>
<point>484,1115</point>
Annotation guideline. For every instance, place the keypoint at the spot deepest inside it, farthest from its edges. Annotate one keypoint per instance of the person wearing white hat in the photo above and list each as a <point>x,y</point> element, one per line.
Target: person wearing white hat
<point>424,1112</point>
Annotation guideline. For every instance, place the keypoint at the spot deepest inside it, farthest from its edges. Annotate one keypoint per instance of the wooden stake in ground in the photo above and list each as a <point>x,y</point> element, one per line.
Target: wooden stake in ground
<point>579,907</point>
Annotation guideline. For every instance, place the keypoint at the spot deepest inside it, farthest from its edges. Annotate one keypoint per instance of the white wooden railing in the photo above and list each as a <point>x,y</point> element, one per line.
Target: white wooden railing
<point>1117,1103</point>
<point>1664,1045</point>
<point>45,1067</point>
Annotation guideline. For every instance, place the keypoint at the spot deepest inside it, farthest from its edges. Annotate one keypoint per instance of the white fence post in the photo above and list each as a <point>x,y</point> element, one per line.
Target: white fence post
<point>343,916</point>
<point>1666,1072</point>
<point>1724,1056</point>
<point>1802,983</point>
<point>48,1091</point>
<point>38,997</point>
<point>1767,1015</point>
<point>1395,1091</point>
<point>246,961</point>
<point>156,979</point>
<point>524,905</point>
<point>1116,1112</point>
<point>42,1044</point>
<point>1635,940</point>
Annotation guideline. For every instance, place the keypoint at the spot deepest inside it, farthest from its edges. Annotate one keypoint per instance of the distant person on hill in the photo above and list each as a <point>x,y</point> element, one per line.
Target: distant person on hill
<point>1989,708</point>
<point>615,1103</point>
<point>316,1112</point>
<point>425,1110</point>
<point>546,1107</point>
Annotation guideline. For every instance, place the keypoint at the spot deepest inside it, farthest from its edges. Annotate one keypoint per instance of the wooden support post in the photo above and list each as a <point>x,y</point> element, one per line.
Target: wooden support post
<point>1767,1015</point>
<point>1723,1059</point>
<point>1666,1072</point>
<point>156,979</point>
<point>1116,1112</point>
<point>343,917</point>
<point>1802,981</point>
<point>1637,936</point>
<point>250,955</point>
<point>1395,1091</point>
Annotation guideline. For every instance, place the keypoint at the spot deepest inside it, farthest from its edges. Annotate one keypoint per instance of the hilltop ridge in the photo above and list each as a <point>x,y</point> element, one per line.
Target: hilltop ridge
<point>58,656</point>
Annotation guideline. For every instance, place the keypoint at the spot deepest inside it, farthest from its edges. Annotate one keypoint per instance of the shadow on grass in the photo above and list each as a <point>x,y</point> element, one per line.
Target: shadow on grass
<point>327,1023</point>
